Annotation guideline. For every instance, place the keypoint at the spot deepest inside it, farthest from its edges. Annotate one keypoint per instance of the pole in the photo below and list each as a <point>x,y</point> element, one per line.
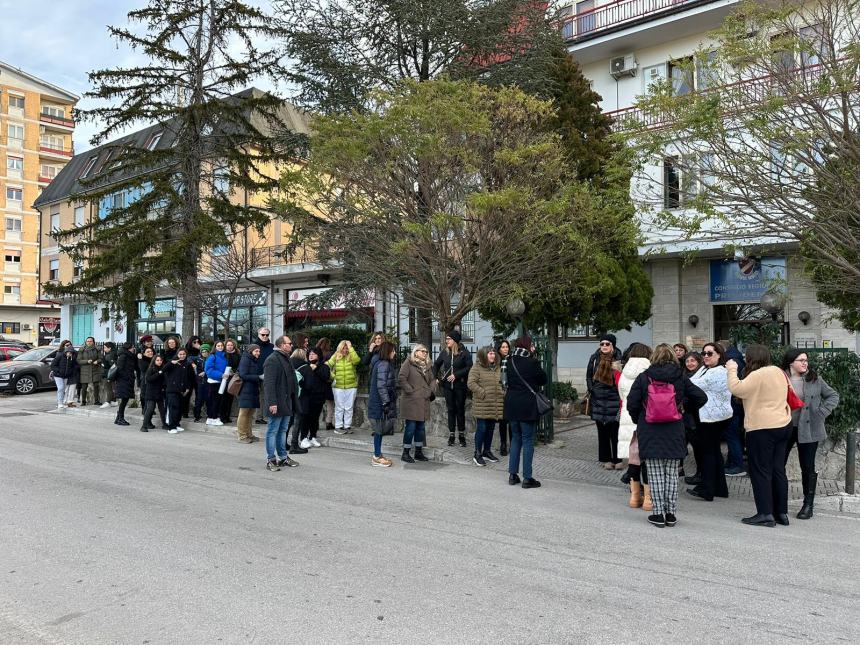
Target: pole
<point>850,460</point>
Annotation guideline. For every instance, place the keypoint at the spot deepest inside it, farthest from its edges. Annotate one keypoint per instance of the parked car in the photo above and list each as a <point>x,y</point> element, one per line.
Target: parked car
<point>15,343</point>
<point>8,352</point>
<point>28,372</point>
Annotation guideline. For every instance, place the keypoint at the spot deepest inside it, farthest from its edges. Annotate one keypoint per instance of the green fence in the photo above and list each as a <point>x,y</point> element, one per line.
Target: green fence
<point>545,427</point>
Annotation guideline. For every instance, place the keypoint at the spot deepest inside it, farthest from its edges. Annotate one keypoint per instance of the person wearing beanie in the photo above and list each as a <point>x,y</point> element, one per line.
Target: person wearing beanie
<point>601,380</point>
<point>451,368</point>
<point>201,392</point>
<point>249,394</point>
<point>525,377</point>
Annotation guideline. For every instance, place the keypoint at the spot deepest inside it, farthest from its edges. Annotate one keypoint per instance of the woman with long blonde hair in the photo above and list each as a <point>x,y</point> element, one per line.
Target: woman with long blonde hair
<point>345,386</point>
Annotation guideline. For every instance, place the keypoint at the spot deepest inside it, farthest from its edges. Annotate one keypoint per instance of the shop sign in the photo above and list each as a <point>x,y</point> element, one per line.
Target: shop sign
<point>745,280</point>
<point>49,329</point>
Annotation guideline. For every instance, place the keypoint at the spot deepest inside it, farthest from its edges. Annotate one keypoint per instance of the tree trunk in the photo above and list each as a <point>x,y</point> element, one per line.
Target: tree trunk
<point>552,336</point>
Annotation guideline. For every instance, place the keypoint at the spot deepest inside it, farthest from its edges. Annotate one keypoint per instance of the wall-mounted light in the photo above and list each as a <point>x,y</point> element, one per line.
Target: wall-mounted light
<point>693,320</point>
<point>804,317</point>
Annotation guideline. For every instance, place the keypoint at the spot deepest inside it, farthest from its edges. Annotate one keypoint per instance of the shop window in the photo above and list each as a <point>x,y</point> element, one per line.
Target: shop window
<point>10,328</point>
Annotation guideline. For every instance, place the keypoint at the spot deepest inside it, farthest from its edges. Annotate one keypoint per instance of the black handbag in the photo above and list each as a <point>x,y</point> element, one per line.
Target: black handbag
<point>542,401</point>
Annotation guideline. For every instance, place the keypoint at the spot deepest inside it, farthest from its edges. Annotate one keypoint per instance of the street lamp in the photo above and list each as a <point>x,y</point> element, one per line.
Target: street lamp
<point>516,308</point>
<point>772,303</point>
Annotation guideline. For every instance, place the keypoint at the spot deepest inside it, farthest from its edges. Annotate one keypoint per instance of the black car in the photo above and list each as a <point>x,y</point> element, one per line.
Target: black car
<point>28,372</point>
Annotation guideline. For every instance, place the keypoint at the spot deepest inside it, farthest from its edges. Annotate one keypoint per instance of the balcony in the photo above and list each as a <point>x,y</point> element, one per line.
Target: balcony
<point>272,256</point>
<point>622,26</point>
<point>51,150</point>
<point>57,122</point>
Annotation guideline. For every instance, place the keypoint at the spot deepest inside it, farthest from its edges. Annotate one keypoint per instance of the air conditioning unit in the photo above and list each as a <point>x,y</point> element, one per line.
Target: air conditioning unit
<point>622,66</point>
<point>25,327</point>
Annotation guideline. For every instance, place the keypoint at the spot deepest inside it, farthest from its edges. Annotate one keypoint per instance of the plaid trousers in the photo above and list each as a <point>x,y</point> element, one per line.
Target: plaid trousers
<point>663,479</point>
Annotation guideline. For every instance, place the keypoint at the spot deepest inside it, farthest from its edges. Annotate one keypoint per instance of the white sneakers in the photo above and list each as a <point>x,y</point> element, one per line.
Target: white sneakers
<point>178,429</point>
<point>315,443</point>
<point>60,406</point>
<point>104,405</point>
<point>306,444</point>
<point>214,422</point>
<point>173,431</point>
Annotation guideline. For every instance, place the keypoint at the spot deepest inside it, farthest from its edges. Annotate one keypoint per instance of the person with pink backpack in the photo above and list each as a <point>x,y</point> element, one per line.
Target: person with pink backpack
<point>656,404</point>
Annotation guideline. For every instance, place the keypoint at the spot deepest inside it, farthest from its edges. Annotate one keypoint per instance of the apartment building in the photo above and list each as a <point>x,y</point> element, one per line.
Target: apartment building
<point>623,46</point>
<point>252,278</point>
<point>36,129</point>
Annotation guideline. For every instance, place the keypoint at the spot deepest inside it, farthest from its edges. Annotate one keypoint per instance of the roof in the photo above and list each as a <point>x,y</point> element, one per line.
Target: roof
<point>67,182</point>
<point>35,79</point>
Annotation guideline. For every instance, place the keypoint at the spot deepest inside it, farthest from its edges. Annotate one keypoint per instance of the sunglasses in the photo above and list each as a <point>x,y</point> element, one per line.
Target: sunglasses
<point>264,334</point>
<point>709,353</point>
<point>605,344</point>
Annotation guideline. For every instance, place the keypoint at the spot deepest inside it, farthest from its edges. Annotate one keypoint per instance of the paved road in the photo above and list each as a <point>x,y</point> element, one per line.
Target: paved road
<point>113,536</point>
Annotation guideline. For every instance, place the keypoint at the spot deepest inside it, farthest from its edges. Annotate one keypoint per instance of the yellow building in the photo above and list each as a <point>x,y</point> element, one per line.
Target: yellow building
<point>36,129</point>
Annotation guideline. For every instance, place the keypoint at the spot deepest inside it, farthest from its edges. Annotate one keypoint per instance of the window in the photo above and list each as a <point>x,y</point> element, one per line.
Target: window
<point>12,257</point>
<point>77,269</point>
<point>54,270</point>
<point>707,174</point>
<point>89,166</point>
<point>15,164</point>
<point>12,290</point>
<point>671,183</point>
<point>153,140</point>
<point>51,141</point>
<point>13,224</point>
<point>47,170</point>
<point>585,20</point>
<point>53,110</point>
<point>781,55</point>
<point>812,48</point>
<point>15,132</point>
<point>16,102</point>
<point>576,332</point>
<point>221,180</point>
<point>80,216</point>
<point>706,71</point>
<point>10,328</point>
<point>55,221</point>
<point>681,73</point>
<point>14,194</point>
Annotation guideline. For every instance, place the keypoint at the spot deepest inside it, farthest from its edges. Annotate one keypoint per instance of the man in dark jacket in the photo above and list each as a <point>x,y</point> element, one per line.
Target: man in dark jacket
<point>280,394</point>
<point>451,368</point>
<point>266,348</point>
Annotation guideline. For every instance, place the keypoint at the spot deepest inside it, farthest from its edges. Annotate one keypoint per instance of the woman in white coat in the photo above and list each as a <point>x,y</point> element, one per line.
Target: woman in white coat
<point>638,360</point>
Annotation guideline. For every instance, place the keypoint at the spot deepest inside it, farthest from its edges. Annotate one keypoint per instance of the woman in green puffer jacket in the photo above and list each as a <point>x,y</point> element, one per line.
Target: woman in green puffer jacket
<point>342,365</point>
<point>488,402</point>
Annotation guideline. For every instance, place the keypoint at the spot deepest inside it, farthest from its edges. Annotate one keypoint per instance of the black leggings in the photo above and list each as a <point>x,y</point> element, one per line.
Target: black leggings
<point>504,432</point>
<point>311,420</point>
<point>712,469</point>
<point>805,453</point>
<point>120,411</point>
<point>607,442</point>
<point>638,473</point>
<point>455,399</point>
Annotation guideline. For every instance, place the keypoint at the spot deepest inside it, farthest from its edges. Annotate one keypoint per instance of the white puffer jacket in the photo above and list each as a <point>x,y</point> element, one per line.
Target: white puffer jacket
<point>634,367</point>
<point>713,381</point>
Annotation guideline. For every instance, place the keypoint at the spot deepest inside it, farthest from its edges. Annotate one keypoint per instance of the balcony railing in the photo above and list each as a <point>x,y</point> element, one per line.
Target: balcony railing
<point>735,97</point>
<point>613,14</point>
<point>56,120</point>
<point>272,256</point>
<point>52,149</point>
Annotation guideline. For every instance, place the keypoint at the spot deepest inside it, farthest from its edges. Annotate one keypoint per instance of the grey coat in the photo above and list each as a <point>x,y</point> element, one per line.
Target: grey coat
<point>416,386</point>
<point>819,400</point>
<point>90,360</point>
<point>280,386</point>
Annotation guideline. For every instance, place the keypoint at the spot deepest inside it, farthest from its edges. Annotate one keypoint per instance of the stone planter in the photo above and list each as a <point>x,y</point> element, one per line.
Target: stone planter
<point>565,409</point>
<point>829,461</point>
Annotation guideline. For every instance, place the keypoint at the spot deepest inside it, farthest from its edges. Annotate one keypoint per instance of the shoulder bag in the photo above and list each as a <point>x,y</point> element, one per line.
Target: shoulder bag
<point>234,386</point>
<point>544,405</point>
<point>794,401</point>
<point>111,373</point>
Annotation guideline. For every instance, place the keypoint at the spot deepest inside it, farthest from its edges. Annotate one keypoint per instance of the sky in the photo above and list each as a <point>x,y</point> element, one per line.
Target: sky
<point>60,41</point>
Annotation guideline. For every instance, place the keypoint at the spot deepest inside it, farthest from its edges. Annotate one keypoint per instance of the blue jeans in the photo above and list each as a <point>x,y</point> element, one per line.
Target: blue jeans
<point>377,445</point>
<point>732,437</point>
<point>522,437</point>
<point>484,435</point>
<point>276,437</point>
<point>414,434</point>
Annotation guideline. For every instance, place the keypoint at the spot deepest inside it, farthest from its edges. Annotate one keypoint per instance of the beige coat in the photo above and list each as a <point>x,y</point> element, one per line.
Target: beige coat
<point>416,388</point>
<point>488,397</point>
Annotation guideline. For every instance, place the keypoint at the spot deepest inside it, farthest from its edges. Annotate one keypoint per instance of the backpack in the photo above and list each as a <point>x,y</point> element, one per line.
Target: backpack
<point>661,406</point>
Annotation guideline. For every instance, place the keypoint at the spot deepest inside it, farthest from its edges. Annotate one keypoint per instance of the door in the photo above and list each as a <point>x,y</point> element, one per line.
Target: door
<point>82,323</point>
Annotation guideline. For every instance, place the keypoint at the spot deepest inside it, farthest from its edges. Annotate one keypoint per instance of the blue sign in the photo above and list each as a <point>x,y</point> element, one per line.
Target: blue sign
<point>745,280</point>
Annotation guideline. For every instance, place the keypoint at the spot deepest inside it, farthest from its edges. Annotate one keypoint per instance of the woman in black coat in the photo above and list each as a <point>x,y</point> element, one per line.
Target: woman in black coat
<point>452,368</point>
<point>662,439</point>
<point>600,379</point>
<point>143,361</point>
<point>524,376</point>
<point>249,395</point>
<point>62,370</point>
<point>123,382</point>
<point>154,395</point>
<point>315,386</point>
<point>178,381</point>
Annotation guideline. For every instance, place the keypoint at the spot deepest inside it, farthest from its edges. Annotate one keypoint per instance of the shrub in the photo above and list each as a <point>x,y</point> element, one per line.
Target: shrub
<point>564,392</point>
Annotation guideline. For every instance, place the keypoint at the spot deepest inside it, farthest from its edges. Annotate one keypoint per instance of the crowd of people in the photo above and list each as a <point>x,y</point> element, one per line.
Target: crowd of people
<point>648,405</point>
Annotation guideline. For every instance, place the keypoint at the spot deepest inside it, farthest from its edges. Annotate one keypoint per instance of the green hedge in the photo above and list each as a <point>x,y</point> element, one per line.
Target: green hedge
<point>841,371</point>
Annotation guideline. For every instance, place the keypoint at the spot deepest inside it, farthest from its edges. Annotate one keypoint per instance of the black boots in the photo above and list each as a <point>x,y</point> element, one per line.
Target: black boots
<point>503,449</point>
<point>451,439</point>
<point>462,441</point>
<point>419,455</point>
<point>406,457</point>
<point>120,421</point>
<point>809,484</point>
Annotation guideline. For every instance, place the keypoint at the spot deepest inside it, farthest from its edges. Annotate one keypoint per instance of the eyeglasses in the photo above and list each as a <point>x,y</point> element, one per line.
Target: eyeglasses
<point>606,344</point>
<point>709,353</point>
<point>261,335</point>
<point>801,360</point>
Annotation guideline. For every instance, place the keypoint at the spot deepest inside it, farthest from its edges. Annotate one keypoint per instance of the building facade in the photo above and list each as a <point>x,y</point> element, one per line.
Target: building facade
<point>36,129</point>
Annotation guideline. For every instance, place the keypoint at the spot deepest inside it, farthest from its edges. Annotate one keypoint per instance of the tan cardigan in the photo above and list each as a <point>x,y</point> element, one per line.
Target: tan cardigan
<point>764,393</point>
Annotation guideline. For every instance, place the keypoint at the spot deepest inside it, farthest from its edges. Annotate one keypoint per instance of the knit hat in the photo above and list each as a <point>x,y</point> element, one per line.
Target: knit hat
<point>610,337</point>
<point>251,348</point>
<point>145,339</point>
<point>205,347</point>
<point>455,335</point>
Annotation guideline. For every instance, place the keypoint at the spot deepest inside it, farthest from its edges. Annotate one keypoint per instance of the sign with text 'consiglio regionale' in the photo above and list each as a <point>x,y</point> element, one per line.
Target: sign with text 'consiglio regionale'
<point>745,280</point>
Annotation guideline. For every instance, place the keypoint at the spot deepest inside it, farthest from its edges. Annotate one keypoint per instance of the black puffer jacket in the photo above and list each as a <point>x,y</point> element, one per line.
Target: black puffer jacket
<point>605,399</point>
<point>461,364</point>
<point>663,440</point>
<point>126,364</point>
<point>64,366</point>
<point>178,377</point>
<point>154,384</point>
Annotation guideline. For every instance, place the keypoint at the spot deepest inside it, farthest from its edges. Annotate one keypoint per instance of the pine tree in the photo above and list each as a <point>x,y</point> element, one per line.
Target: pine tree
<point>162,209</point>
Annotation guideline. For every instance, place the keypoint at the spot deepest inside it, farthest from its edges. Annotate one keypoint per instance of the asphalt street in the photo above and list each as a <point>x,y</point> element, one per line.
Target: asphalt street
<point>109,535</point>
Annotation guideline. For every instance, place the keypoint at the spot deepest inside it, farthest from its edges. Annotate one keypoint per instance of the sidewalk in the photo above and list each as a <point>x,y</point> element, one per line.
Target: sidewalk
<point>572,456</point>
